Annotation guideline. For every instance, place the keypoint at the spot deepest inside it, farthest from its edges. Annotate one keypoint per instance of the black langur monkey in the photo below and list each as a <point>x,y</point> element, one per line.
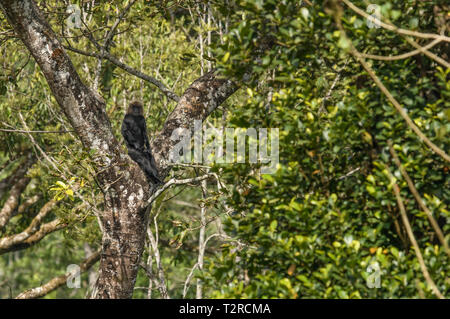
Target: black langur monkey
<point>134,131</point>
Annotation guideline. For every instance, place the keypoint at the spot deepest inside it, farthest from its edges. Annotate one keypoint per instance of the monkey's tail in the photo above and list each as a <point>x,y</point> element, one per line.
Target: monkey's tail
<point>154,179</point>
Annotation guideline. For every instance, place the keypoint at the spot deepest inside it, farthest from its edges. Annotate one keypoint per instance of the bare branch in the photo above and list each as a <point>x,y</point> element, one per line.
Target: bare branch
<point>130,70</point>
<point>419,200</point>
<point>27,203</point>
<point>57,281</point>
<point>108,39</point>
<point>394,28</point>
<point>404,55</point>
<point>34,132</point>
<point>188,280</point>
<point>201,239</point>
<point>336,79</point>
<point>121,16</point>
<point>428,53</point>
<point>412,238</point>
<point>34,232</point>
<point>13,201</point>
<point>153,249</point>
<point>160,272</point>
<point>173,182</point>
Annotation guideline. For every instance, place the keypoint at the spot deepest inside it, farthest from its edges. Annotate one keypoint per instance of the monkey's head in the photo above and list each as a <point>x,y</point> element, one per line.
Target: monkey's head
<point>135,108</point>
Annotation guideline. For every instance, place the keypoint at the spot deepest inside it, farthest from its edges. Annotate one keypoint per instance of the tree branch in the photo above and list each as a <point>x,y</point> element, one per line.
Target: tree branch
<point>13,201</point>
<point>57,281</point>
<point>33,132</point>
<point>198,101</point>
<point>394,28</point>
<point>171,95</point>
<point>401,56</point>
<point>34,232</point>
<point>412,238</point>
<point>419,200</point>
<point>173,182</point>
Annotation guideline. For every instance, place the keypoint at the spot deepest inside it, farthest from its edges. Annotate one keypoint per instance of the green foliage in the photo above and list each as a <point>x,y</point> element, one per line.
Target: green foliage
<point>312,229</point>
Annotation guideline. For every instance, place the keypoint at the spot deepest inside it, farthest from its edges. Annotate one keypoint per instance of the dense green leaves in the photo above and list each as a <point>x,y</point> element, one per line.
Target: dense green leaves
<point>313,229</point>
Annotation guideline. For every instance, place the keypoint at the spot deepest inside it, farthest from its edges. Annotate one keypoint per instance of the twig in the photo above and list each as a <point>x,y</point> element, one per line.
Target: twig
<point>394,28</point>
<point>108,38</point>
<point>401,56</point>
<point>201,239</point>
<point>419,200</point>
<point>110,34</point>
<point>188,279</point>
<point>8,243</point>
<point>174,181</point>
<point>162,282</point>
<point>349,173</point>
<point>428,53</point>
<point>6,212</point>
<point>171,95</point>
<point>37,132</point>
<point>412,238</point>
<point>153,246</point>
<point>336,79</point>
